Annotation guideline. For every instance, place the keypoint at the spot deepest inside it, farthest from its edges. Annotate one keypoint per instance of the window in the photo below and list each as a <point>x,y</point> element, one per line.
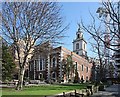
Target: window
<point>40,76</point>
<point>77,46</point>
<point>37,64</point>
<point>31,66</point>
<point>84,46</point>
<point>86,78</point>
<point>78,35</point>
<point>53,75</point>
<point>82,79</point>
<point>54,62</point>
<point>41,64</point>
<point>82,35</point>
<point>82,68</point>
<point>77,52</point>
<point>86,69</point>
<point>76,65</point>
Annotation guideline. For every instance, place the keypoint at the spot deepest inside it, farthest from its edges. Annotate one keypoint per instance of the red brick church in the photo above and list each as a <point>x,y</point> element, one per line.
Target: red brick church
<point>60,64</point>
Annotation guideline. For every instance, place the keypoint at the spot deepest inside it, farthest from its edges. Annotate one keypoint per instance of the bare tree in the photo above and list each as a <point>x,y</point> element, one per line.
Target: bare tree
<point>97,46</point>
<point>112,10</point>
<point>28,23</point>
<point>107,33</point>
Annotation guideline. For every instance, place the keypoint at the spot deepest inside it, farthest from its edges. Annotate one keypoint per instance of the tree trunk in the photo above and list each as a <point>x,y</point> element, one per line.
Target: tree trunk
<point>20,79</point>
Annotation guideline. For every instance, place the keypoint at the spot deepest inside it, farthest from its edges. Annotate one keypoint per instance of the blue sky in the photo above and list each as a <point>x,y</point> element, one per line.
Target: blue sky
<point>73,13</point>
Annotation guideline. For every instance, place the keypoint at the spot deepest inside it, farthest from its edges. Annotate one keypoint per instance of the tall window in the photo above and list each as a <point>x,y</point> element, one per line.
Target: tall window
<point>76,66</point>
<point>82,79</point>
<point>37,64</point>
<point>41,64</point>
<point>54,62</point>
<point>86,69</point>
<point>53,75</point>
<point>82,68</point>
<point>86,78</point>
<point>77,46</point>
<point>84,46</point>
<point>78,35</point>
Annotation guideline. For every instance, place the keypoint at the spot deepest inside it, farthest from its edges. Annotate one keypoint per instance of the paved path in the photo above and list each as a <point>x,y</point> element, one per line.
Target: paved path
<point>111,91</point>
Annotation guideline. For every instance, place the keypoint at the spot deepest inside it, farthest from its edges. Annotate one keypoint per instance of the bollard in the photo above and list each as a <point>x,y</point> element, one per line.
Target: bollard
<point>75,93</point>
<point>63,94</point>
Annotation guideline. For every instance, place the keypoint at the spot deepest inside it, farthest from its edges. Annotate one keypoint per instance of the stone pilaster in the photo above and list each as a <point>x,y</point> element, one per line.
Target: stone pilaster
<point>34,70</point>
<point>48,67</point>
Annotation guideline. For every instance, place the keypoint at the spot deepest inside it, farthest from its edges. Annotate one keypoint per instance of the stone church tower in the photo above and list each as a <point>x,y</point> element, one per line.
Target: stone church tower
<point>79,44</point>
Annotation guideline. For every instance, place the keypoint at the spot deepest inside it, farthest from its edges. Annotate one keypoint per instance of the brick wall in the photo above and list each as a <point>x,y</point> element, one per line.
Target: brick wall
<point>60,54</point>
<point>80,61</point>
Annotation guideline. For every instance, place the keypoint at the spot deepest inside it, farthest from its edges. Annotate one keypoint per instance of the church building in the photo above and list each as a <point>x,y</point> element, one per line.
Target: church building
<point>60,64</point>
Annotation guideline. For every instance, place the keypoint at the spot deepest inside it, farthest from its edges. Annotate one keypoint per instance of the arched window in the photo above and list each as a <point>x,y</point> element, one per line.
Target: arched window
<point>82,79</point>
<point>53,75</point>
<point>86,78</point>
<point>84,46</point>
<point>78,35</point>
<point>82,68</point>
<point>54,62</point>
<point>77,53</point>
<point>40,76</point>
<point>86,69</point>
<point>77,46</point>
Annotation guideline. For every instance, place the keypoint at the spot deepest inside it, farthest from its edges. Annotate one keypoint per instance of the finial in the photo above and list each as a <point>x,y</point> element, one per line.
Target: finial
<point>79,27</point>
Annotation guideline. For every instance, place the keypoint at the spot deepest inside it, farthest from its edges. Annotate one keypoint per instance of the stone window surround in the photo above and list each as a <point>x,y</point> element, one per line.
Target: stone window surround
<point>54,63</point>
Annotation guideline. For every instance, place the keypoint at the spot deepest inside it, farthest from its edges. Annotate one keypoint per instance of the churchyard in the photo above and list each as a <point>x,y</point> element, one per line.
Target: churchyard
<point>43,90</point>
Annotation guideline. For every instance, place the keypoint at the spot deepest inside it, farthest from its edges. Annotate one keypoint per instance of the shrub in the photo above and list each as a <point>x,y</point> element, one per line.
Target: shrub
<point>82,80</point>
<point>76,79</point>
<point>101,88</point>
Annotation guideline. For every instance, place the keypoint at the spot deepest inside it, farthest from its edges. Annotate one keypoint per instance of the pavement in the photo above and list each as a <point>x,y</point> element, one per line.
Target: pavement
<point>111,91</point>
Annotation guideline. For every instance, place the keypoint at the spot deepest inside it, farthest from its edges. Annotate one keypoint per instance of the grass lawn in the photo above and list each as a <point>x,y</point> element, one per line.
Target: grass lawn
<point>41,90</point>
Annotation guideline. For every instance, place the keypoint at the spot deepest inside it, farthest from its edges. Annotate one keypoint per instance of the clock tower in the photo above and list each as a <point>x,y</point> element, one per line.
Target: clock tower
<point>79,44</point>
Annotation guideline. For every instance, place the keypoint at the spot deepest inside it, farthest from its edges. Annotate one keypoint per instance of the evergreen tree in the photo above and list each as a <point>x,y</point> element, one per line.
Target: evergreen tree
<point>28,24</point>
<point>76,79</point>
<point>8,65</point>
